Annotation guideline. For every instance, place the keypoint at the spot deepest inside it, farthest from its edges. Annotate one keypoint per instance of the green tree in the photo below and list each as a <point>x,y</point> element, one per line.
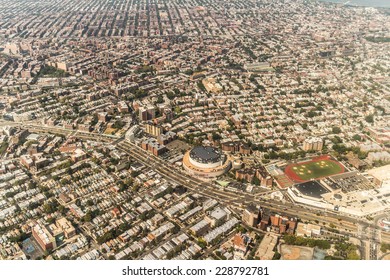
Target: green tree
<point>88,217</point>
<point>357,137</point>
<point>369,118</point>
<point>216,136</point>
<point>336,130</point>
<point>202,243</point>
<point>160,99</point>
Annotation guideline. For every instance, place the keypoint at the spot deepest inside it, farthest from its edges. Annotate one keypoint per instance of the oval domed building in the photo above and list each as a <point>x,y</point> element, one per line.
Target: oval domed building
<point>207,162</point>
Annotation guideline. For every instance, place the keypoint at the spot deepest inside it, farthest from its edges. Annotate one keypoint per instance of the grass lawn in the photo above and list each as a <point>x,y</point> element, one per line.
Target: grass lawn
<point>314,169</point>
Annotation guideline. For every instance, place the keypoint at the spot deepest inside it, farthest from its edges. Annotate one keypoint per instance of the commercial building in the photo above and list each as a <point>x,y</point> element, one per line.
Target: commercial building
<point>351,193</point>
<point>308,230</point>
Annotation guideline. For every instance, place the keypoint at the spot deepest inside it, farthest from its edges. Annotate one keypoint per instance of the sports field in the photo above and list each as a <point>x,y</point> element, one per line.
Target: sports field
<point>316,168</point>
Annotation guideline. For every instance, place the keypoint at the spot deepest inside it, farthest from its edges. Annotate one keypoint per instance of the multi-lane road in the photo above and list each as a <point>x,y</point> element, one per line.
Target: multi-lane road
<point>236,200</point>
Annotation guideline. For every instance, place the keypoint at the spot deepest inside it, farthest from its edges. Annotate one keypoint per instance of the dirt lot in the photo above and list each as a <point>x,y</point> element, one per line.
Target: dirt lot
<point>291,252</point>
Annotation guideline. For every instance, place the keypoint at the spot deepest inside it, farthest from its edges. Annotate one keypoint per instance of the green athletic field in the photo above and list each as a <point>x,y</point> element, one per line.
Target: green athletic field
<point>313,169</point>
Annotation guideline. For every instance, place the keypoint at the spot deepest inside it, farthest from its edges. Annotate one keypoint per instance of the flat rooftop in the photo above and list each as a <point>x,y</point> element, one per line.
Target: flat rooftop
<point>311,188</point>
<point>206,154</point>
<point>380,173</point>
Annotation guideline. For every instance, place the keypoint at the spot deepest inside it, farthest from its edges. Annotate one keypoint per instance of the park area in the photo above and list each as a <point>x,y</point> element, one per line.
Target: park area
<point>314,169</point>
